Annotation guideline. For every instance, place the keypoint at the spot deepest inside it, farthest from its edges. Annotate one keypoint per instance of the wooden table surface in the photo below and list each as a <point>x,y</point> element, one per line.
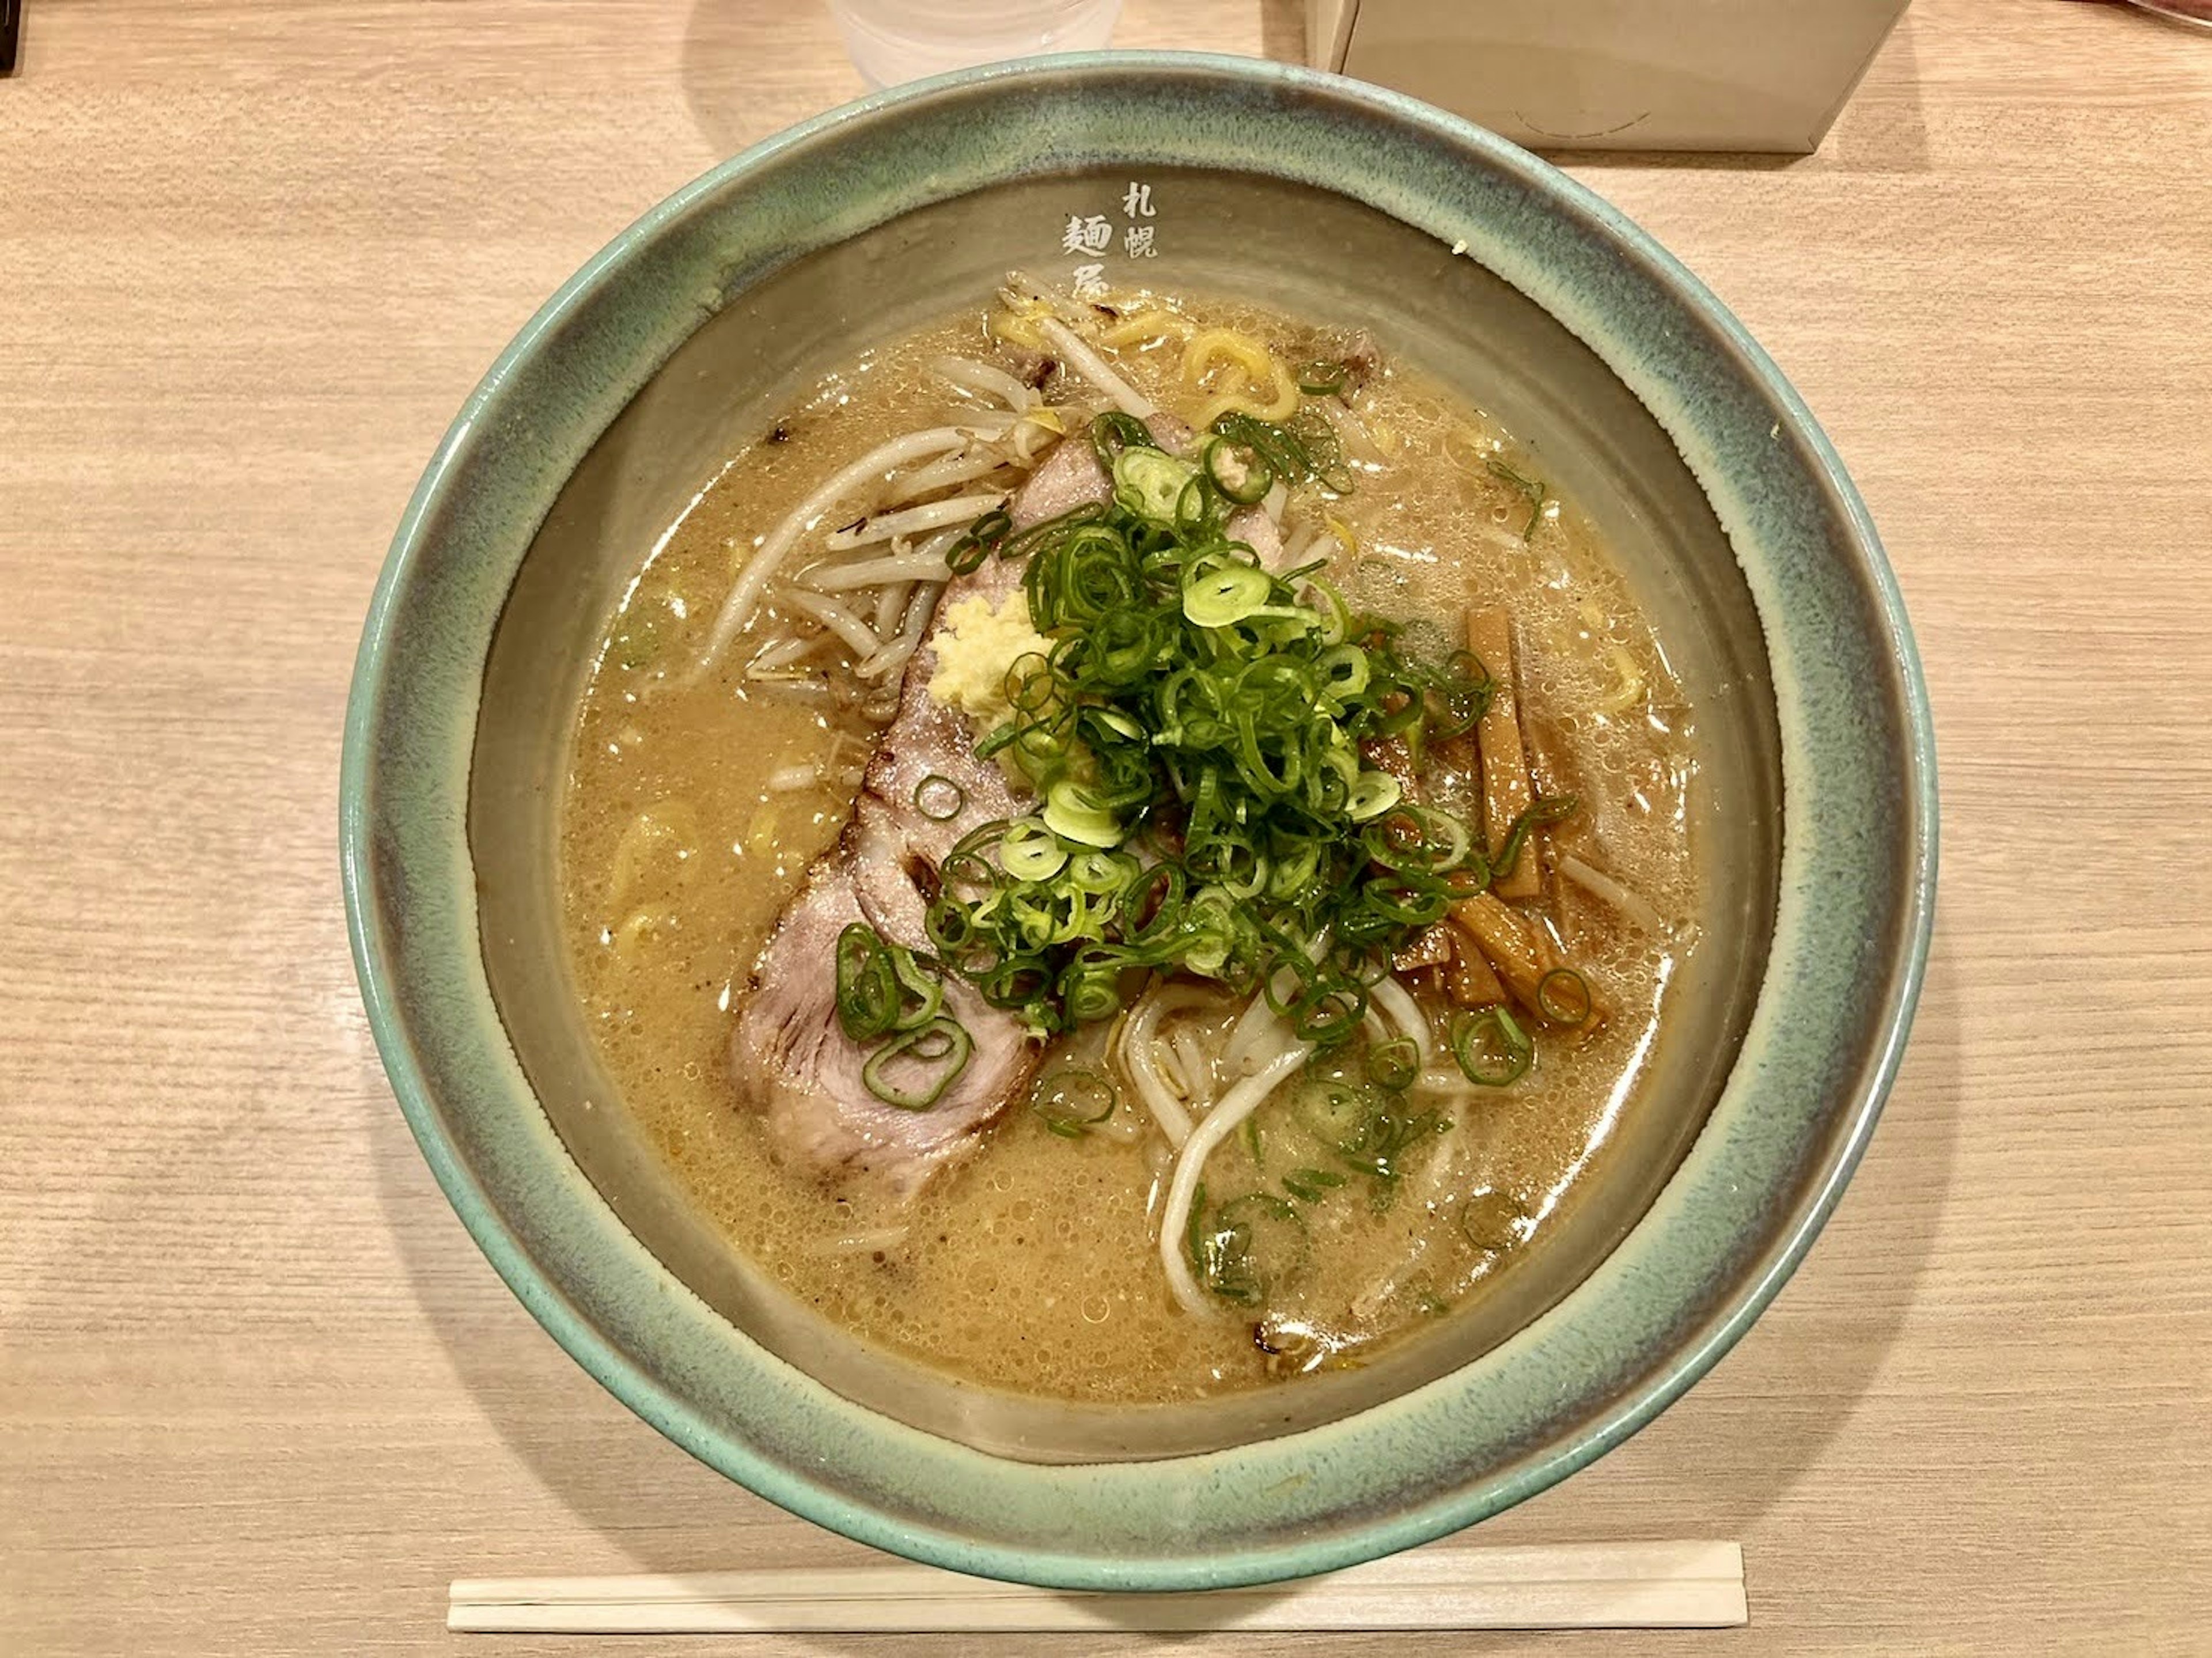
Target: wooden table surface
<point>257,1390</point>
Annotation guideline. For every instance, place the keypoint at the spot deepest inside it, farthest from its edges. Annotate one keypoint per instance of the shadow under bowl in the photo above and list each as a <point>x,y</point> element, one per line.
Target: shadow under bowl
<point>1648,406</point>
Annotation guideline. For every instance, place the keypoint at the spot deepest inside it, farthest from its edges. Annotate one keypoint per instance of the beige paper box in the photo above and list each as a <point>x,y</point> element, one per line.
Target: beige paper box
<point>1755,74</point>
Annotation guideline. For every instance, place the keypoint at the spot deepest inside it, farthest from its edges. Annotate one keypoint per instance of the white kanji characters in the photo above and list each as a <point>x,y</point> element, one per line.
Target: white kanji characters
<point>1094,234</point>
<point>1090,281</point>
<point>1137,201</point>
<point>1137,241</point>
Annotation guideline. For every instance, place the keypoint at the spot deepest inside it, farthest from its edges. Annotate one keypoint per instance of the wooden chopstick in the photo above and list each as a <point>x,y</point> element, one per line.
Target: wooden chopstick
<point>11,31</point>
<point>1564,1586</point>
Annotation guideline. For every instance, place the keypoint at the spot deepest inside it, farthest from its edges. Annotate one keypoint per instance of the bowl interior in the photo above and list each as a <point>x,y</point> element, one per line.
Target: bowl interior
<point>1303,250</point>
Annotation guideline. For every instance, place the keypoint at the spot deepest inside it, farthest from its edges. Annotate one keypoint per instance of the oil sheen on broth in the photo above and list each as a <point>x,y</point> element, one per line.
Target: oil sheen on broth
<point>693,810</point>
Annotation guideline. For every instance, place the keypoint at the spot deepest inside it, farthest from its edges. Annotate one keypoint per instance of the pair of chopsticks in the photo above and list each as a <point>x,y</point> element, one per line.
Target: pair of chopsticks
<point>1565,1586</point>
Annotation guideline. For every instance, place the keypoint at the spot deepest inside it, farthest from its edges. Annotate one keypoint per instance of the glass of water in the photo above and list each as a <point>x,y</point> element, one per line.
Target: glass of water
<point>894,40</point>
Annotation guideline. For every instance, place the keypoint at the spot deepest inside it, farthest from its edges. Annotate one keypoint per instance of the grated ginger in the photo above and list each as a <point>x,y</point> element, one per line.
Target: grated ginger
<point>975,648</point>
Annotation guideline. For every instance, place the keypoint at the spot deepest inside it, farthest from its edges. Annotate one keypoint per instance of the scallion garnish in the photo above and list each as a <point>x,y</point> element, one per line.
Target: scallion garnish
<point>939,799</point>
<point>885,995</point>
<point>1395,1063</point>
<point>913,1069</point>
<point>986,535</point>
<point>1491,1048</point>
<point>1150,484</point>
<point>1219,594</point>
<point>1551,810</point>
<point>1312,1185</point>
<point>1563,996</point>
<point>1073,1101</point>
<point>1196,731</point>
<point>1321,378</point>
<point>1248,1245</point>
<point>867,984</point>
<point>1536,493</point>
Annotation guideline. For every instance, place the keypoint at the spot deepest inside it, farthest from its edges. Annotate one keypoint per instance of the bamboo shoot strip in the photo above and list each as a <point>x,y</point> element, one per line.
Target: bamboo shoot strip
<point>1506,791</point>
<point>1513,943</point>
<point>1524,956</point>
<point>1468,979</point>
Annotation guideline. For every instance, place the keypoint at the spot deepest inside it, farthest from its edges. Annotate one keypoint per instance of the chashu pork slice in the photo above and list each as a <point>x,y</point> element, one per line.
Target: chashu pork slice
<point>790,1056</point>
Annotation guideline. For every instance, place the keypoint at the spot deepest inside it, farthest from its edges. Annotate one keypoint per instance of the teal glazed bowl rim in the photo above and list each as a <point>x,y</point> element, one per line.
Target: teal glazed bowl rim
<point>1850,939</point>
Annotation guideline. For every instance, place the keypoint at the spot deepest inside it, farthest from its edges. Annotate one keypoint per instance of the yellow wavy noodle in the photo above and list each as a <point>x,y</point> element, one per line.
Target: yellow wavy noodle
<point>1279,407</point>
<point>662,832</point>
<point>1628,690</point>
<point>643,928</point>
<point>1204,348</point>
<point>1144,328</point>
<point>1257,367</point>
<point>760,834</point>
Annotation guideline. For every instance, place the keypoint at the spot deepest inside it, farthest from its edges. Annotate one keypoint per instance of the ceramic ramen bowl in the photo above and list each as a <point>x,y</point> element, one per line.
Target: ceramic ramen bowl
<point>1731,516</point>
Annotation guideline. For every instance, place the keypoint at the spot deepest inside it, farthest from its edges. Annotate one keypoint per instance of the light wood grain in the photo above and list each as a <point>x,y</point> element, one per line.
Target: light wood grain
<point>258,1392</point>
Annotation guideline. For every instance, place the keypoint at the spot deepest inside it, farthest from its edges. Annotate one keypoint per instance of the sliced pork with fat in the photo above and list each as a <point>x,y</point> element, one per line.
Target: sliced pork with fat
<point>789,1054</point>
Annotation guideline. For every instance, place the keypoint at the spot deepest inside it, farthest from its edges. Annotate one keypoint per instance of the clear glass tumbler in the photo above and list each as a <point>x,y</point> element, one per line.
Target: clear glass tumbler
<point>894,40</point>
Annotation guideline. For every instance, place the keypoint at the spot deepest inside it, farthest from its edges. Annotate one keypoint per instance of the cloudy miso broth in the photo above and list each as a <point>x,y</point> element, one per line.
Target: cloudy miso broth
<point>1353,1205</point>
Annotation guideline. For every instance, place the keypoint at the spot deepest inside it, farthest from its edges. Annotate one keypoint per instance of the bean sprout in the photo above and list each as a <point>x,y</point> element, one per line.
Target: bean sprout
<point>891,605</point>
<point>1393,1000</point>
<point>884,526</point>
<point>1092,366</point>
<point>920,565</point>
<point>839,619</point>
<point>782,654</point>
<point>1603,887</point>
<point>963,466</point>
<point>1140,1057</point>
<point>1238,1103</point>
<point>752,581</point>
<point>893,656</point>
<point>980,377</point>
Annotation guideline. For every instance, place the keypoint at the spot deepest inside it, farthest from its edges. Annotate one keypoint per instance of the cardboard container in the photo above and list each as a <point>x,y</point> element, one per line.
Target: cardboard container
<point>1744,75</point>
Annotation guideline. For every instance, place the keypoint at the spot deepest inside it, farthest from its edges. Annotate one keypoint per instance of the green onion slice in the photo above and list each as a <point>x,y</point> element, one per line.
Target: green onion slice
<point>1114,434</point>
<point>913,1069</point>
<point>939,799</point>
<point>1073,811</point>
<point>1551,810</point>
<point>921,993</point>
<point>1220,594</point>
<point>1491,1048</point>
<point>1029,851</point>
<point>1239,471</point>
<point>986,535</point>
<point>1073,1101</point>
<point>1150,482</point>
<point>1393,1064</point>
<point>1338,1112</point>
<point>1563,996</point>
<point>1536,493</point>
<point>867,984</point>
<point>1321,378</point>
<point>1249,1245</point>
<point>1375,794</point>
